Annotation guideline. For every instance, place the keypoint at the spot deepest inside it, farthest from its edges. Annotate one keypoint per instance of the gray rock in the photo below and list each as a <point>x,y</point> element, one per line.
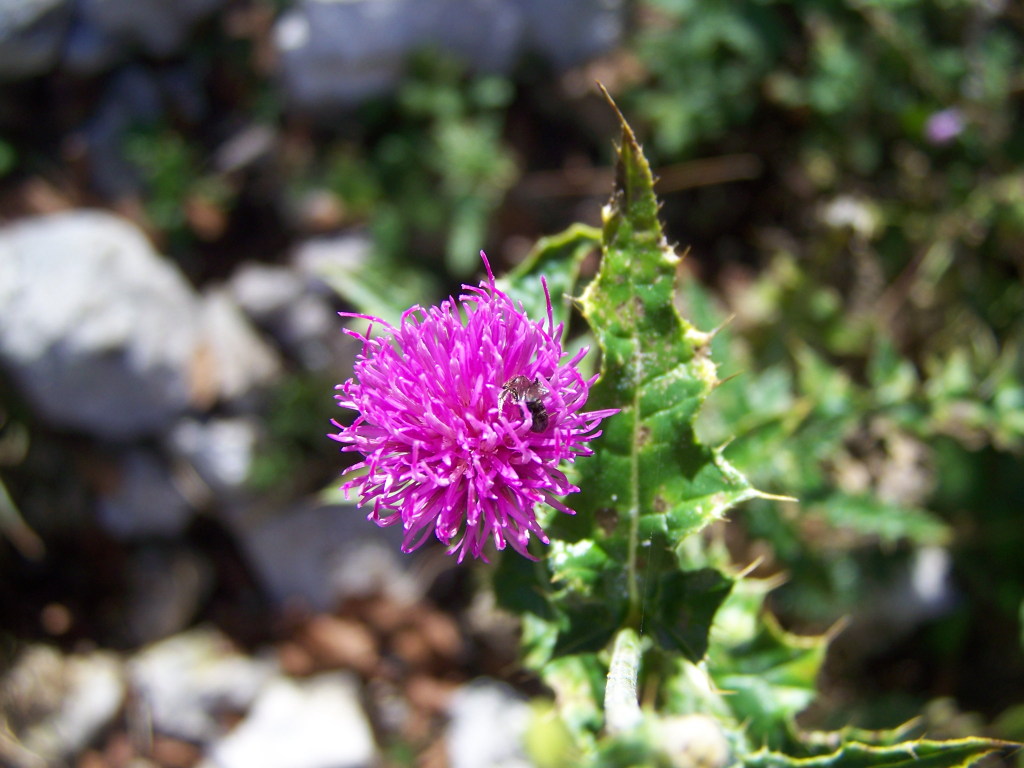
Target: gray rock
<point>485,34</point>
<point>310,330</point>
<point>31,35</point>
<point>473,740</point>
<point>902,597</point>
<point>184,90</point>
<point>186,684</point>
<point>570,32</point>
<point>342,254</point>
<point>137,95</point>
<point>244,148</point>
<point>145,501</point>
<point>315,723</point>
<point>334,55</point>
<point>344,265</point>
<point>167,585</point>
<point>105,336</point>
<point>131,97</point>
<point>96,328</point>
<point>55,705</point>
<point>89,50</point>
<point>923,589</point>
<point>158,27</point>
<point>318,555</point>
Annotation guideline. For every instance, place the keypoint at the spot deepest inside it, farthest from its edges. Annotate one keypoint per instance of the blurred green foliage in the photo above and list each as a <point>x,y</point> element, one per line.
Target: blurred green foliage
<point>8,157</point>
<point>299,411</point>
<point>849,75</point>
<point>877,308</point>
<point>175,182</point>
<point>431,167</point>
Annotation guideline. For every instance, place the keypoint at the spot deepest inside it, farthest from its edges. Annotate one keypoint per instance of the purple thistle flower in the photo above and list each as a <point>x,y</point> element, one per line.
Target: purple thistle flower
<point>465,412</point>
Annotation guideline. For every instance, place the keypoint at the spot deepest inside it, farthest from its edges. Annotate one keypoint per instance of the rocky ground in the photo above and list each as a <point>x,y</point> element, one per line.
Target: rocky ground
<point>160,611</point>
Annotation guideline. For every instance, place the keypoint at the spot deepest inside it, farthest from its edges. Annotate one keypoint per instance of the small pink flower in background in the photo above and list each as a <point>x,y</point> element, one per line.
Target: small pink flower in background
<point>465,412</point>
<point>944,126</point>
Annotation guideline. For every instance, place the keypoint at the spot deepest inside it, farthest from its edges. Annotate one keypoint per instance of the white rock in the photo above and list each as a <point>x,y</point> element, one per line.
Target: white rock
<point>488,720</point>
<point>96,328</point>
<point>263,290</point>
<point>105,336</point>
<point>319,257</point>
<point>241,359</point>
<point>58,704</point>
<point>315,723</point>
<point>186,683</point>
<point>220,450</point>
<point>244,148</point>
<point>95,690</point>
<point>295,308</point>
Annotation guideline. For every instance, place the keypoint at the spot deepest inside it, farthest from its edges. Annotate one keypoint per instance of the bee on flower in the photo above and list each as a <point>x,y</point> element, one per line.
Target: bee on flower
<point>465,412</point>
<point>531,393</point>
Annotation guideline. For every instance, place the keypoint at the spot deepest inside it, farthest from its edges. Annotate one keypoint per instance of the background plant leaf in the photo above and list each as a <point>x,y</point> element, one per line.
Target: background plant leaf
<point>558,259</point>
<point>919,754</point>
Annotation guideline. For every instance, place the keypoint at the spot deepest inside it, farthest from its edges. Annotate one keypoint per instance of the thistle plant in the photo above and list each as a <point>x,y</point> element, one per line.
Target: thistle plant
<point>657,649</point>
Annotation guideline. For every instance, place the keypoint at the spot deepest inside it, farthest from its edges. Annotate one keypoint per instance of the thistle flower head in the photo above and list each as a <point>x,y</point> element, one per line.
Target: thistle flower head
<point>465,411</point>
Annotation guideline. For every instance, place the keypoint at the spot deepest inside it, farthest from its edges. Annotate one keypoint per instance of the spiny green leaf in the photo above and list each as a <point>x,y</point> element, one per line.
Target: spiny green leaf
<point>770,680</point>
<point>757,677</point>
<point>913,754</point>
<point>655,368</point>
<point>520,585</point>
<point>651,482</point>
<point>557,259</point>
<point>683,607</point>
<point>817,743</point>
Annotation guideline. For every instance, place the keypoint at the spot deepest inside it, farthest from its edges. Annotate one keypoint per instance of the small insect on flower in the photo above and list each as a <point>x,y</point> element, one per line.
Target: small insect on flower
<point>531,393</point>
<point>444,452</point>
